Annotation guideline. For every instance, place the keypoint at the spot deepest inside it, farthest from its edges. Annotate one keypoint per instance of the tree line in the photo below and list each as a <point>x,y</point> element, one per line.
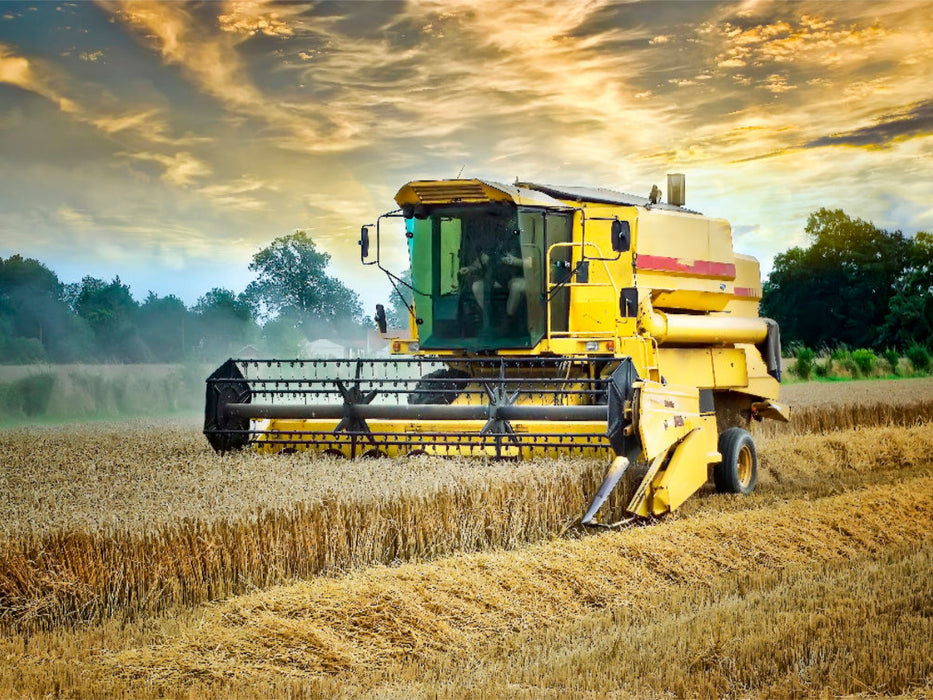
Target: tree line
<point>291,300</point>
<point>854,286</point>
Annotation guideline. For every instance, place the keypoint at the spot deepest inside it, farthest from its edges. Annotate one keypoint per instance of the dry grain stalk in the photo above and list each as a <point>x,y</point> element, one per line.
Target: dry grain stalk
<point>358,624</point>
<point>70,576</point>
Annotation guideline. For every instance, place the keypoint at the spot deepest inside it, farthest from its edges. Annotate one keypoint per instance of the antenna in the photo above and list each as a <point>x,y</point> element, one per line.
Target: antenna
<point>461,171</point>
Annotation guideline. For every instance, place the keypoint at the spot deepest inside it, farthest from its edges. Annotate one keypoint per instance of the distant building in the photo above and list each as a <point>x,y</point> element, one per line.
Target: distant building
<point>248,352</point>
<point>373,345</point>
<point>325,349</point>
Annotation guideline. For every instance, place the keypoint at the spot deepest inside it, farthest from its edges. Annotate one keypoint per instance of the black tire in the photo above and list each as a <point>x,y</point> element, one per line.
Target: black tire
<point>738,471</point>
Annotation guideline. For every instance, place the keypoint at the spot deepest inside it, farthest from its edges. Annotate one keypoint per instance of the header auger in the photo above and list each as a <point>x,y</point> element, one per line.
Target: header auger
<point>544,320</point>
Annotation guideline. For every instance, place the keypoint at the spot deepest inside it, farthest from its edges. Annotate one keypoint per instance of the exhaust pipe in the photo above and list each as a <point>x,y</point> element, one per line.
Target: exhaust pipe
<point>676,189</point>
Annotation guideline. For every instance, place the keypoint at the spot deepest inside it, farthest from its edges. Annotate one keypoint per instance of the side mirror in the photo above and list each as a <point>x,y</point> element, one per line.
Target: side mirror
<point>364,242</point>
<point>380,318</point>
<point>621,236</point>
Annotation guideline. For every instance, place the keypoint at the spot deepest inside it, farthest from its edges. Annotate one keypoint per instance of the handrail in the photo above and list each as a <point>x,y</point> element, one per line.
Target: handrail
<point>550,286</point>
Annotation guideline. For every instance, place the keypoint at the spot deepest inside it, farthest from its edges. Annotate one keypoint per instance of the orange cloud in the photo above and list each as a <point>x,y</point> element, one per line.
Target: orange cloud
<point>237,195</point>
<point>812,40</point>
<point>18,71</point>
<point>214,64</point>
<point>777,83</point>
<point>146,126</point>
<point>181,169</point>
<point>251,18</point>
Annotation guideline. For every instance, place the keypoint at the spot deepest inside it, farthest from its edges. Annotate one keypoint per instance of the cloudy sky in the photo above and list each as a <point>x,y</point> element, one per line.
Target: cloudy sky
<point>167,143</point>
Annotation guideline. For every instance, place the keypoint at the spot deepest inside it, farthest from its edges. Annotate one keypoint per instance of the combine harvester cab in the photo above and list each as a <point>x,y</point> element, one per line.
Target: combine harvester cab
<point>543,320</point>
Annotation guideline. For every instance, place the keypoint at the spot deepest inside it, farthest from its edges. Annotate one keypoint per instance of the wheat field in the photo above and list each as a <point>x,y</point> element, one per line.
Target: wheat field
<point>135,562</point>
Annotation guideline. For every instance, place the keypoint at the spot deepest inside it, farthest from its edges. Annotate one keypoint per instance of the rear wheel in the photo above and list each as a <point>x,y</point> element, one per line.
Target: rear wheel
<point>738,471</point>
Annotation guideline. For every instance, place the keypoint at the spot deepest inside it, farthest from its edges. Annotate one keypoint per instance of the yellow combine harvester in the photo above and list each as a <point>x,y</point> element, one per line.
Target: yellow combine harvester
<point>544,320</point>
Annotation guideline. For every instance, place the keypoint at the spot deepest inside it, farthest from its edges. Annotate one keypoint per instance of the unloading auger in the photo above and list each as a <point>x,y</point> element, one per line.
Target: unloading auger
<point>544,320</point>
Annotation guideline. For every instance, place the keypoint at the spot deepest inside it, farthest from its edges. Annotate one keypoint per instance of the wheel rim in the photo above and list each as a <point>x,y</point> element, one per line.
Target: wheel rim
<point>744,466</point>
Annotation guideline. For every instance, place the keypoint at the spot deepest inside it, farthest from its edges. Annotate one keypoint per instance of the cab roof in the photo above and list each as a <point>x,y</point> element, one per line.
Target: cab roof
<point>473,191</point>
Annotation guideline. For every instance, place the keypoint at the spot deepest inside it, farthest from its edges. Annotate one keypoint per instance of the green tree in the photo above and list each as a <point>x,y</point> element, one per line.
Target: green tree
<point>111,312</point>
<point>224,322</point>
<point>35,320</point>
<point>838,289</point>
<point>292,277</point>
<point>281,335</point>
<point>166,327</point>
<point>910,311</point>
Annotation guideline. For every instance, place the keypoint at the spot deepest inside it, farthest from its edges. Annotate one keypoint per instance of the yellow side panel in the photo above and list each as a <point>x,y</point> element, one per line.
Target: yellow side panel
<point>686,260</point>
<point>593,309</point>
<point>594,305</point>
<point>688,468</point>
<point>729,368</point>
<point>760,383</point>
<point>686,366</point>
<point>754,361</point>
<point>707,368</point>
<point>685,237</point>
<point>747,288</point>
<point>764,387</point>
<point>664,414</point>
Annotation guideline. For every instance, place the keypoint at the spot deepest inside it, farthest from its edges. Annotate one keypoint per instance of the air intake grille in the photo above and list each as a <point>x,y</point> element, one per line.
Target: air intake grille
<point>440,193</point>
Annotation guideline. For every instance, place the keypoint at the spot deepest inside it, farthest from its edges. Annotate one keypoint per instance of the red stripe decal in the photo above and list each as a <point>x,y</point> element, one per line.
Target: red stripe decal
<point>746,292</point>
<point>704,268</point>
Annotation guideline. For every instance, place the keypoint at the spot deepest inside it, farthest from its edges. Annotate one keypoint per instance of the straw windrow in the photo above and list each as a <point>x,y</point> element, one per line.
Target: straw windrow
<point>359,624</point>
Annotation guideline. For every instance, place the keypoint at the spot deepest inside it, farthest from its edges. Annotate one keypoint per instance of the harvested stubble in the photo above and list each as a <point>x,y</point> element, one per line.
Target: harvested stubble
<point>454,618</point>
<point>824,406</point>
<point>808,630</point>
<point>139,476</point>
<point>348,514</point>
<point>595,641</point>
<point>407,510</point>
<point>826,418</point>
<point>857,393</point>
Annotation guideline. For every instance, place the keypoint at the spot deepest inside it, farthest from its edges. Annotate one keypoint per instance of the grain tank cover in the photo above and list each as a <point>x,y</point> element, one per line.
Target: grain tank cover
<point>599,195</point>
<point>686,260</point>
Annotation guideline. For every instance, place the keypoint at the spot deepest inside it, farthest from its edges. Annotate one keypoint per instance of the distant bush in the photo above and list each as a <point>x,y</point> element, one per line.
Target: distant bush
<point>805,360</point>
<point>846,362</point>
<point>21,351</point>
<point>865,361</point>
<point>28,396</point>
<point>893,359</point>
<point>823,369</point>
<point>919,357</point>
